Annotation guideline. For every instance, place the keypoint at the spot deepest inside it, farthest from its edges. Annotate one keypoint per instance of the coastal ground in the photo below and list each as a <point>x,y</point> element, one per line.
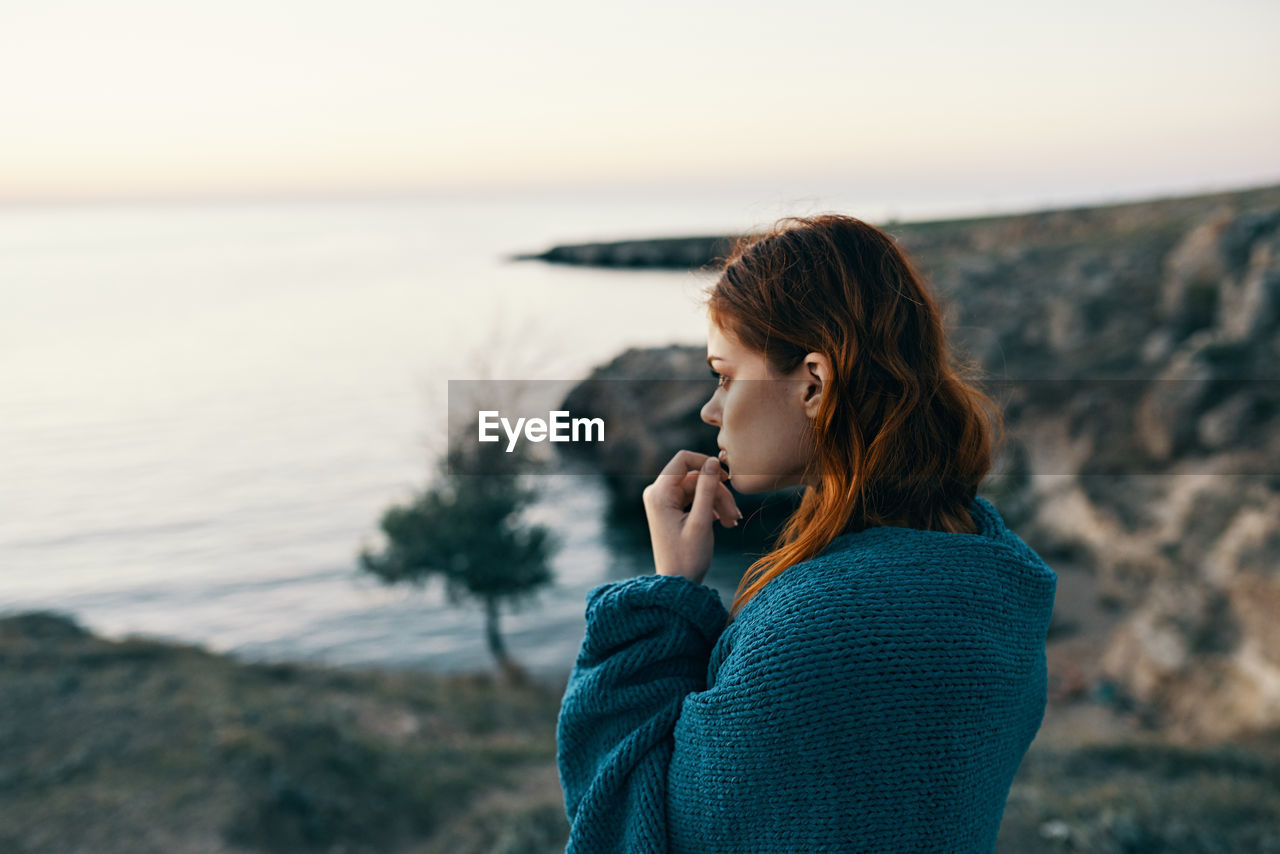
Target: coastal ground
<point>142,746</point>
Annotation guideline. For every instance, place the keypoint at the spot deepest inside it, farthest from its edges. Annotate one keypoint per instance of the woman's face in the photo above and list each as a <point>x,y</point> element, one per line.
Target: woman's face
<point>762,416</point>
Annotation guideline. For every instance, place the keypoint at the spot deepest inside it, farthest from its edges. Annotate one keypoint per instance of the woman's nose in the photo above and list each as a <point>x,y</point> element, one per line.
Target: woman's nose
<point>711,413</point>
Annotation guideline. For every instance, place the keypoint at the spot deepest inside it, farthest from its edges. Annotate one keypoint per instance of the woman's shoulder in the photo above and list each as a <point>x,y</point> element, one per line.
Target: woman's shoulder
<point>890,574</point>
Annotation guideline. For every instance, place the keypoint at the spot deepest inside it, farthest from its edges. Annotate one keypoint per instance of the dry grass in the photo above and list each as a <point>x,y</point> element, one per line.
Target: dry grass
<point>148,747</point>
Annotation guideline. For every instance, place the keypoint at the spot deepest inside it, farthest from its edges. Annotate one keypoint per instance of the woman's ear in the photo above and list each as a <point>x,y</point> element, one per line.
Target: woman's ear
<point>817,378</point>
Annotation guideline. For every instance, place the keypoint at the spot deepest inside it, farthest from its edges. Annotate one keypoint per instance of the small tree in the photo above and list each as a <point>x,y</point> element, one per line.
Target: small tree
<point>465,529</point>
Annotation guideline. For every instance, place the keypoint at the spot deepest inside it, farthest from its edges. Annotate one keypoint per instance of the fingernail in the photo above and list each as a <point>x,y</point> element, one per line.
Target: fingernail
<point>710,465</point>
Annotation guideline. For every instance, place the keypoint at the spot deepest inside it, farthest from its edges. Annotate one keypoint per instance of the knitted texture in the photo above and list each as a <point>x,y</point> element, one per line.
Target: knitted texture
<point>877,697</point>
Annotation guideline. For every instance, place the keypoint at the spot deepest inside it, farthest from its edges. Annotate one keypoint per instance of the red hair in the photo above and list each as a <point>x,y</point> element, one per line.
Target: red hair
<point>901,437</point>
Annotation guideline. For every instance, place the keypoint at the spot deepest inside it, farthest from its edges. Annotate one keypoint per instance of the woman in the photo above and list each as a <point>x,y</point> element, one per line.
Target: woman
<point>882,670</point>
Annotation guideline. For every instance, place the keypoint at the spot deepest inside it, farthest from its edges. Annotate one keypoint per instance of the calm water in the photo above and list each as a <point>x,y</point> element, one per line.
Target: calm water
<point>205,409</point>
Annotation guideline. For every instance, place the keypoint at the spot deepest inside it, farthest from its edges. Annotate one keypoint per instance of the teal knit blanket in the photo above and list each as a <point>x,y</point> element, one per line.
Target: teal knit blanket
<point>877,697</point>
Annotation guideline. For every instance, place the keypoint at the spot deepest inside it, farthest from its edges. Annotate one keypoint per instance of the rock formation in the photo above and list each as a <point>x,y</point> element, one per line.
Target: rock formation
<point>1134,349</point>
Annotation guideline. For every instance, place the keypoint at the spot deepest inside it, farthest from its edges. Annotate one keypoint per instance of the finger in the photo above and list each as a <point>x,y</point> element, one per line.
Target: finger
<point>684,462</point>
<point>689,483</point>
<point>691,477</point>
<point>704,496</point>
<point>675,484</point>
<point>726,508</point>
<point>689,487</point>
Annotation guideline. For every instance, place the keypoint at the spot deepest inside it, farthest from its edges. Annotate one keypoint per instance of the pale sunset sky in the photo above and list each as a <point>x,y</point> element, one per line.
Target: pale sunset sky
<point>162,98</point>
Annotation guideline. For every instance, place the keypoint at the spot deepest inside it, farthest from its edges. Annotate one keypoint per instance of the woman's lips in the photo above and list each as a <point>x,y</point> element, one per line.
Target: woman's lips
<point>724,458</point>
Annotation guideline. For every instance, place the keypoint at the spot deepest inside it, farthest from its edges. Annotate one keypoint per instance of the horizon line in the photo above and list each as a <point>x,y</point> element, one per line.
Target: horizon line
<point>412,194</point>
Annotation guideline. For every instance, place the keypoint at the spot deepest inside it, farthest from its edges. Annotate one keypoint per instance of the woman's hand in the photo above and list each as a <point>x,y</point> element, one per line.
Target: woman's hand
<point>682,537</point>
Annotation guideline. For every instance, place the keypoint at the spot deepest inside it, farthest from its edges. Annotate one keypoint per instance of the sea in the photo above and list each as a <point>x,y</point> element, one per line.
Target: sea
<point>205,406</point>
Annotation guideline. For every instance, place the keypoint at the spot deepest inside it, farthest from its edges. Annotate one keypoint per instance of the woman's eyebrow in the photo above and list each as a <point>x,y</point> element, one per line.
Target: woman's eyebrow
<point>711,359</point>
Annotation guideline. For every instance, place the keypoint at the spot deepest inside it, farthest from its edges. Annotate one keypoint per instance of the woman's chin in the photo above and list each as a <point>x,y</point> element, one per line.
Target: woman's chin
<point>754,484</point>
<point>748,484</point>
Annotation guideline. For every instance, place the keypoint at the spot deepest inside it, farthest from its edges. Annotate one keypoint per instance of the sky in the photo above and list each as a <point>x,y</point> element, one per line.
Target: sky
<point>179,98</point>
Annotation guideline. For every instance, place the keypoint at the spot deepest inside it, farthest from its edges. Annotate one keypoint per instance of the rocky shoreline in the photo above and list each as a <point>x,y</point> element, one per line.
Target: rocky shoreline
<point>1133,349</point>
<point>663,253</point>
<point>1082,222</point>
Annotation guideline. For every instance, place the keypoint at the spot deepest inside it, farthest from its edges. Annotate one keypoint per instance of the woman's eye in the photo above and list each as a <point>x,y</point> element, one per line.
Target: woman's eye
<point>721,379</point>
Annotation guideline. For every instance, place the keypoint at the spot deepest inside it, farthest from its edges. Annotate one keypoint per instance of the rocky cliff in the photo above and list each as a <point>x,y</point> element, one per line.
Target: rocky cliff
<point>1134,349</point>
